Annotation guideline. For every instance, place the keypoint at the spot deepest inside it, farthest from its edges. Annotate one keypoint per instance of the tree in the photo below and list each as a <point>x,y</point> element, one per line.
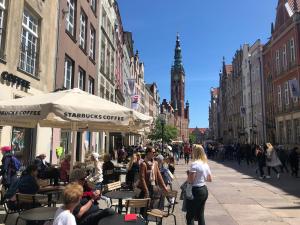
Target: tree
<point>170,132</point>
<point>192,138</point>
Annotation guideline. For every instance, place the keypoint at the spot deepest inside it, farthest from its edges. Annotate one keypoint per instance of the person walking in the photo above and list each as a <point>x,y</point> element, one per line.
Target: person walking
<point>261,161</point>
<point>199,174</point>
<point>294,162</point>
<point>272,160</point>
<point>187,152</point>
<point>150,179</point>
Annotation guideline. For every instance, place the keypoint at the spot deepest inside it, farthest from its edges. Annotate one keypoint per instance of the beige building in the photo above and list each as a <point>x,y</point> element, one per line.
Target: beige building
<point>27,65</point>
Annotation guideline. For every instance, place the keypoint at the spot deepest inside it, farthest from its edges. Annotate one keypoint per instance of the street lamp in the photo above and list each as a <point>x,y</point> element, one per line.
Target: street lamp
<point>251,100</point>
<point>162,122</point>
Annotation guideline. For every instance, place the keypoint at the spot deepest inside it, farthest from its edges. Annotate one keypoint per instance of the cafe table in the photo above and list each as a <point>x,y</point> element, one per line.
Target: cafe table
<point>37,214</point>
<point>50,191</point>
<point>120,195</point>
<point>118,219</point>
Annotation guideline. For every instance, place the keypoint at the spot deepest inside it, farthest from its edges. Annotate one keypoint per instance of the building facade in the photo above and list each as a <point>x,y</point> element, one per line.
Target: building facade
<point>76,67</point>
<point>27,64</point>
<point>283,54</point>
<point>214,129</point>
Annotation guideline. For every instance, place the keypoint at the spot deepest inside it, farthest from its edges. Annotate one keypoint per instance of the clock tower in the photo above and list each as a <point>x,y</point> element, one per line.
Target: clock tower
<point>177,81</point>
<point>180,108</point>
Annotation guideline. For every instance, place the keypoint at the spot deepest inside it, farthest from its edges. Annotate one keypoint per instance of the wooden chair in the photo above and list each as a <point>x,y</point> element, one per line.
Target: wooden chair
<point>27,201</point>
<point>160,214</point>
<point>113,187</point>
<point>137,204</point>
<point>43,182</point>
<point>5,203</point>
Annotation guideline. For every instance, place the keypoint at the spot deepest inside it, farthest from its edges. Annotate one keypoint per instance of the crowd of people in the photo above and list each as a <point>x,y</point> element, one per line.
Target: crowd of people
<point>264,158</point>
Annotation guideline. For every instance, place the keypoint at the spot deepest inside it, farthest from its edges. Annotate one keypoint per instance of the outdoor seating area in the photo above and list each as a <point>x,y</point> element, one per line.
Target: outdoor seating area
<point>117,194</point>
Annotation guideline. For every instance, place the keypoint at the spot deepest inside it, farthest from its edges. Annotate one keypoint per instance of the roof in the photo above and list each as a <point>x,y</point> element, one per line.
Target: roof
<point>215,91</point>
<point>228,69</point>
<point>202,130</point>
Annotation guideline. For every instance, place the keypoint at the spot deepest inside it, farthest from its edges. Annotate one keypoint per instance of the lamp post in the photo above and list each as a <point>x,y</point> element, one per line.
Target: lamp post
<point>251,100</point>
<point>162,122</point>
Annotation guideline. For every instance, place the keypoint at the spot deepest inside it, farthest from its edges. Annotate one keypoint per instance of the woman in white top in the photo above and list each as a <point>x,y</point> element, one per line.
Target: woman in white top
<point>72,195</point>
<point>199,173</point>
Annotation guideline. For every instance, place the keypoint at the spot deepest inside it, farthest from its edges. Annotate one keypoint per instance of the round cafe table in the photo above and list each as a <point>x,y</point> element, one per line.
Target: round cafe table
<point>120,195</point>
<point>119,219</point>
<point>38,214</point>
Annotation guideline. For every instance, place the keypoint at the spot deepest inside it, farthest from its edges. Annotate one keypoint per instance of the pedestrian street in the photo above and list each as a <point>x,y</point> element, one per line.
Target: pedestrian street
<point>238,197</point>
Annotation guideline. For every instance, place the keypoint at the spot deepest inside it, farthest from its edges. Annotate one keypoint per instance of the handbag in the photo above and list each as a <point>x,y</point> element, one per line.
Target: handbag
<point>188,192</point>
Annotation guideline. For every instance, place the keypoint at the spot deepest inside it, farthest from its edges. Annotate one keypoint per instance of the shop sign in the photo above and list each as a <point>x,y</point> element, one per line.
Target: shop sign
<point>11,78</point>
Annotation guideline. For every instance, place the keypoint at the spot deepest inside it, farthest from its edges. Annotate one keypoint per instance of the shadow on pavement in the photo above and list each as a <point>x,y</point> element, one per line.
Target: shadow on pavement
<point>286,183</point>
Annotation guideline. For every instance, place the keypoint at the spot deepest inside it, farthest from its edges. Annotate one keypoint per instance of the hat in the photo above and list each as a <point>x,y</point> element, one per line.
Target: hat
<point>77,174</point>
<point>5,148</point>
<point>95,155</point>
<point>160,157</point>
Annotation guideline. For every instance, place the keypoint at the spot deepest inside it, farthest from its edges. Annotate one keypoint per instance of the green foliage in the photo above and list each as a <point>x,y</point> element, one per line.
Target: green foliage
<point>170,132</point>
<point>193,138</point>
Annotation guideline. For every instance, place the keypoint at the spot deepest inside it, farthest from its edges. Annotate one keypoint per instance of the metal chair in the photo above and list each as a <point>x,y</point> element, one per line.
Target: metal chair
<point>5,203</point>
<point>160,214</point>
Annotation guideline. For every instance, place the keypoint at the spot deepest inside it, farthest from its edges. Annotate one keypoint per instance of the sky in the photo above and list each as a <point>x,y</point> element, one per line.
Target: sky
<point>208,31</point>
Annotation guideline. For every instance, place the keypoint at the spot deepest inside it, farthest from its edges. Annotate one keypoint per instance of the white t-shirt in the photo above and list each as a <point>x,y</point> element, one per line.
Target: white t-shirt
<point>202,171</point>
<point>64,217</point>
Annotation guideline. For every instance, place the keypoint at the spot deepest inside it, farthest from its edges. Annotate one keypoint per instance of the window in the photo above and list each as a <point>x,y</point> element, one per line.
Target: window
<point>102,90</point>
<point>279,95</point>
<point>286,93</point>
<point>69,70</point>
<point>108,62</point>
<point>93,5</point>
<point>112,65</point>
<point>92,42</point>
<point>82,36</point>
<point>277,62</point>
<point>292,51</point>
<point>281,134</point>
<point>103,19</point>
<point>2,27</point>
<point>284,61</point>
<point>102,60</point>
<point>289,131</point>
<point>91,85</point>
<point>297,131</point>
<point>81,79</point>
<point>29,43</point>
<point>70,18</point>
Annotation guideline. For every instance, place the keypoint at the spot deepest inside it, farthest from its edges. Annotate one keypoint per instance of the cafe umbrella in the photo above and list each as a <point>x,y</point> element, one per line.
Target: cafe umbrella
<point>71,109</point>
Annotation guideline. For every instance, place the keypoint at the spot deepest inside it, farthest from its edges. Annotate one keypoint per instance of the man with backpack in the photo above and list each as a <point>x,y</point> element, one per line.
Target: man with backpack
<point>9,168</point>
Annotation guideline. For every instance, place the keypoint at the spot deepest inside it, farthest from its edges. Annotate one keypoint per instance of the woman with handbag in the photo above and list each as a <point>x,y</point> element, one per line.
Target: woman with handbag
<point>199,174</point>
<point>272,160</point>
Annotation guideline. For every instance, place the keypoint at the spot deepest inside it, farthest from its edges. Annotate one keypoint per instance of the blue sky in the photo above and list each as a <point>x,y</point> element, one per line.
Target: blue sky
<point>208,31</point>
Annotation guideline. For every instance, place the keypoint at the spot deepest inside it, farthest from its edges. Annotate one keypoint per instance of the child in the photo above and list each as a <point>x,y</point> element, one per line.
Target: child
<point>71,197</point>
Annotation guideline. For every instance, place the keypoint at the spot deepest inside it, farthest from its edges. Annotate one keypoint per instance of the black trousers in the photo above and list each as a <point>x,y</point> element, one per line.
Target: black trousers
<point>195,207</point>
<point>94,217</point>
<point>186,158</point>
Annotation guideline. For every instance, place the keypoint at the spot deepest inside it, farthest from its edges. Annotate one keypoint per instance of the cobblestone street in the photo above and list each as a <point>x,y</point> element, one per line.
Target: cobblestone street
<point>238,197</point>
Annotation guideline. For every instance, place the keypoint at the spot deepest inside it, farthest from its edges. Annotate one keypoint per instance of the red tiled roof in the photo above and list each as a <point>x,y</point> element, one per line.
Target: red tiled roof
<point>228,69</point>
<point>295,5</point>
<point>202,130</point>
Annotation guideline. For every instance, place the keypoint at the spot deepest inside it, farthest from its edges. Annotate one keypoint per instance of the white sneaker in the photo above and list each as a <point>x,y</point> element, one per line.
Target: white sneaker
<point>268,177</point>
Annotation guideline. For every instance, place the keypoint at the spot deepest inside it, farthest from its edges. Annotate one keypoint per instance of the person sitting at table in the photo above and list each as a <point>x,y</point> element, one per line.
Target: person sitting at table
<point>46,171</point>
<point>87,211</point>
<point>65,169</point>
<point>28,182</point>
<point>132,171</point>
<point>108,170</point>
<point>71,198</point>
